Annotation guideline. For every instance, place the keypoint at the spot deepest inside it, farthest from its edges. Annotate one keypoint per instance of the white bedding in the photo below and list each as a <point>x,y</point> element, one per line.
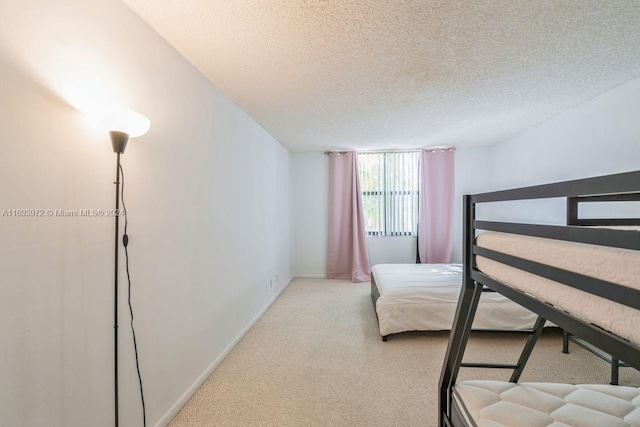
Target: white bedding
<point>621,266</point>
<point>424,297</point>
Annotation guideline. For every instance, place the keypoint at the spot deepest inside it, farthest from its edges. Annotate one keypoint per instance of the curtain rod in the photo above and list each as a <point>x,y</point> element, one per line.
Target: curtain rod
<point>390,151</point>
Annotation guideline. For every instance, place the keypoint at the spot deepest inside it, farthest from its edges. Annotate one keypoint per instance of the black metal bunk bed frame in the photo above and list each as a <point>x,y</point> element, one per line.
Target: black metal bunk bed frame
<point>619,187</point>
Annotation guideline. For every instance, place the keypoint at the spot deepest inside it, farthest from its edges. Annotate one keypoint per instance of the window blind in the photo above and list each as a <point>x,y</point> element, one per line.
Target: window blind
<point>389,184</point>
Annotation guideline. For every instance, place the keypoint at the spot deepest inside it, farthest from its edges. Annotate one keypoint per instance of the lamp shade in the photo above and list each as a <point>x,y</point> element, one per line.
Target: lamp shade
<point>126,121</point>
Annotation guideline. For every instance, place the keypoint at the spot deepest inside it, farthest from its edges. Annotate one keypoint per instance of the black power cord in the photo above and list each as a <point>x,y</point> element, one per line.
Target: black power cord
<point>125,242</point>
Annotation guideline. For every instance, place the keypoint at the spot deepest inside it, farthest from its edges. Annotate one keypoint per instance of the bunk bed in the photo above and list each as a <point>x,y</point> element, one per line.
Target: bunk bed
<point>424,297</point>
<point>583,276</point>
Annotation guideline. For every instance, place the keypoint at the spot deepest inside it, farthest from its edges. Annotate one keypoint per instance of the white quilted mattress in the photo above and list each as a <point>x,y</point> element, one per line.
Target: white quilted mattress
<point>621,266</point>
<point>424,297</point>
<point>503,404</point>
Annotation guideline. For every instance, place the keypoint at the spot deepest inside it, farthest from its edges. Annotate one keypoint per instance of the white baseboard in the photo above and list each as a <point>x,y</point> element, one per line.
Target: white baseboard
<point>310,276</point>
<point>171,413</point>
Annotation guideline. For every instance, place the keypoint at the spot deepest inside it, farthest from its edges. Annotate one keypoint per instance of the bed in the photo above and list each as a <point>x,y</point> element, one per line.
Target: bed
<point>424,297</point>
<point>584,277</point>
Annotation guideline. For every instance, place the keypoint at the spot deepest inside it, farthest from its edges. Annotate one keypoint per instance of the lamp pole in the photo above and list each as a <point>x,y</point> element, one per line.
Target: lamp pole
<point>119,143</point>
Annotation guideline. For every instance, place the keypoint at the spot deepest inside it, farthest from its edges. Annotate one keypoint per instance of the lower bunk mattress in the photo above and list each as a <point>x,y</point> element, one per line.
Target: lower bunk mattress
<point>504,404</point>
<point>424,297</point>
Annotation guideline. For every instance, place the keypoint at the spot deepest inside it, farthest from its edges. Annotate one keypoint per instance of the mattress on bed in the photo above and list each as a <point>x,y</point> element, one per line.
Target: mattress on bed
<point>621,266</point>
<point>424,297</point>
<point>504,404</point>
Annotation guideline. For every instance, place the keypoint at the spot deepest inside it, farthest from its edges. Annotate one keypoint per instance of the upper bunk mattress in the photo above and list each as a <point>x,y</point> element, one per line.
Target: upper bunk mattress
<point>620,266</point>
<point>424,297</point>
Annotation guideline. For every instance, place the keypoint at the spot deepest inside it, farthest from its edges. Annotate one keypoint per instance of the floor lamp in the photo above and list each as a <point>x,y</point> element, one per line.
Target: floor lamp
<point>122,125</point>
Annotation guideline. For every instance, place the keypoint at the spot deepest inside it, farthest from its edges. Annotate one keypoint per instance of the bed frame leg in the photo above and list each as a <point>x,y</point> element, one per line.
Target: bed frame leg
<point>384,338</point>
<point>615,364</point>
<point>565,342</point>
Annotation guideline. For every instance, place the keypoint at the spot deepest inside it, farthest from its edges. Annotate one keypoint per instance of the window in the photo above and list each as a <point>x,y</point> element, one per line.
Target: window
<point>389,184</point>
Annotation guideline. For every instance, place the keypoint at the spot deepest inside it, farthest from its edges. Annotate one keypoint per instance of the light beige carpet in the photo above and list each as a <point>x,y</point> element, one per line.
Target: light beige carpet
<point>316,359</point>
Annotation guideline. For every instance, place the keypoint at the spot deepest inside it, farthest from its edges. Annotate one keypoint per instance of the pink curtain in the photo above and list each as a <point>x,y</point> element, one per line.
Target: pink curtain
<point>435,223</point>
<point>347,257</point>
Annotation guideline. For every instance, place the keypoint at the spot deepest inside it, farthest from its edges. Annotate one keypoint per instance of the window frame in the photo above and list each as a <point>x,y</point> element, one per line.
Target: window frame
<point>386,196</point>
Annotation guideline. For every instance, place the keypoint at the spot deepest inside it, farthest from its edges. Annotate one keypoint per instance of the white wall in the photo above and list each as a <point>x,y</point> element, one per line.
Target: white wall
<point>310,213</point>
<point>598,137</point>
<point>472,175</point>
<point>208,194</point>
<point>392,249</point>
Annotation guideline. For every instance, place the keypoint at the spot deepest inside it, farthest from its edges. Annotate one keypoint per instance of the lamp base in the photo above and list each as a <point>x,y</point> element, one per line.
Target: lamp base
<point>118,141</point>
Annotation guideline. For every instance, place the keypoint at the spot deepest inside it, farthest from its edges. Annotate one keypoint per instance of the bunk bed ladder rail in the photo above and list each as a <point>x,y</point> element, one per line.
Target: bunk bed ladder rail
<point>461,329</point>
<point>534,333</point>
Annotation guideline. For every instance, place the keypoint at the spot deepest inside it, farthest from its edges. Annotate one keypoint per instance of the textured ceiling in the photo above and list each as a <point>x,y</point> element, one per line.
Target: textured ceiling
<point>332,74</point>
